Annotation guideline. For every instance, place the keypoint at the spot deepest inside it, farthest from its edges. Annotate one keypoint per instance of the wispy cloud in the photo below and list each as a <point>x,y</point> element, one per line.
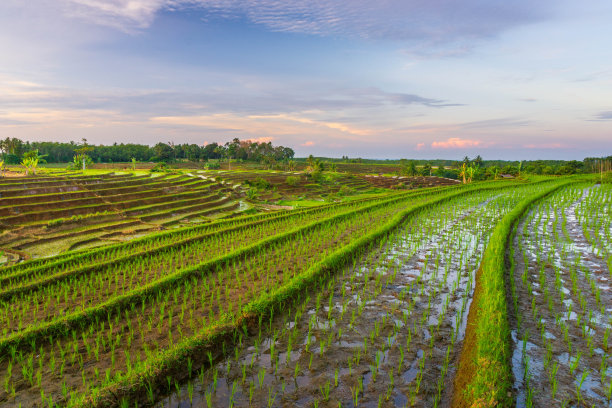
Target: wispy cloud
<point>440,21</point>
<point>603,116</point>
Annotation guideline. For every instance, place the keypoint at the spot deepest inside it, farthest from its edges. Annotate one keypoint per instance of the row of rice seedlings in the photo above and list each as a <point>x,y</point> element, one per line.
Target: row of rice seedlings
<point>382,347</point>
<point>44,302</point>
<point>96,256</point>
<point>560,260</point>
<point>492,382</point>
<point>145,329</point>
<point>595,216</point>
<point>39,268</point>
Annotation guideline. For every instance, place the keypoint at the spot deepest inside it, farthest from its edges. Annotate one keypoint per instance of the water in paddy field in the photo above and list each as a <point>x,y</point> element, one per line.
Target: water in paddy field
<point>387,331</point>
<point>561,354</point>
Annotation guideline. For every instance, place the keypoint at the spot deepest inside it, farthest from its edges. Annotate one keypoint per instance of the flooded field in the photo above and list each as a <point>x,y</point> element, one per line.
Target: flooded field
<point>386,331</point>
<point>562,300</point>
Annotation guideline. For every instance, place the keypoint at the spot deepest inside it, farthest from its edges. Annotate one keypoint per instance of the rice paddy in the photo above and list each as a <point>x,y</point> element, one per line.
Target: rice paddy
<point>492,293</point>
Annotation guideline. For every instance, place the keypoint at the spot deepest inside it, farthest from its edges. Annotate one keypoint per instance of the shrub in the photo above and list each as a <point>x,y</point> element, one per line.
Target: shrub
<point>160,167</point>
<point>293,180</point>
<point>346,190</point>
<point>213,166</point>
<point>259,183</point>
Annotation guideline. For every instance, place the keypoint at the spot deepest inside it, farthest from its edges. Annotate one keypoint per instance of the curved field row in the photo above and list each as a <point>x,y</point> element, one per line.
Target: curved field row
<point>70,291</point>
<point>96,211</point>
<point>562,301</point>
<point>389,322</point>
<point>191,300</point>
<point>380,286</point>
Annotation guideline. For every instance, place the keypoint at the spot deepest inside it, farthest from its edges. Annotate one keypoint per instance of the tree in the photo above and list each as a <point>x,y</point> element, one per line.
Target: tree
<point>31,160</point>
<point>463,172</point>
<point>311,162</point>
<point>409,169</point>
<point>193,152</point>
<point>493,171</point>
<point>440,171</point>
<point>426,170</point>
<point>81,155</point>
<point>472,172</point>
<point>163,152</point>
<point>477,161</point>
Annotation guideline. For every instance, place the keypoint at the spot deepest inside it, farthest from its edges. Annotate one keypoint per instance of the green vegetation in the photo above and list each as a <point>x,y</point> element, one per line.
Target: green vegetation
<point>364,293</point>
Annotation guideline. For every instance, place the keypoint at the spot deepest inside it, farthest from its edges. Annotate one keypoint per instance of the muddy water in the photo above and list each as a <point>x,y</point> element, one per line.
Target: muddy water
<point>562,310</point>
<point>385,332</point>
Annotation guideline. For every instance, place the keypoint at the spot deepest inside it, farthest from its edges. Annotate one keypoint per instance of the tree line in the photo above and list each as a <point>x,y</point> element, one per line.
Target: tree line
<point>13,150</point>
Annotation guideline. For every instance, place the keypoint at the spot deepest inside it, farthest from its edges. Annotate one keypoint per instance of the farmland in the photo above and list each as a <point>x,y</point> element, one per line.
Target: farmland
<point>193,289</point>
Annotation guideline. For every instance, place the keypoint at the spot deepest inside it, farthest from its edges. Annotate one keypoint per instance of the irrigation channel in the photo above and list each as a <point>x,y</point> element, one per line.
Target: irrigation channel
<point>385,330</point>
<point>562,273</point>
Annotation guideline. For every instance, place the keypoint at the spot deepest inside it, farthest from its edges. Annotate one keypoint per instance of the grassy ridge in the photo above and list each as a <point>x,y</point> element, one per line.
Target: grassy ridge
<point>170,362</point>
<point>487,362</point>
<point>61,326</point>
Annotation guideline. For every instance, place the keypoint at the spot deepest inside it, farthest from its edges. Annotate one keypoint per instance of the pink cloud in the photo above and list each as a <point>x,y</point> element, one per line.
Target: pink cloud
<point>455,142</point>
<point>263,139</point>
<point>308,143</point>
<point>420,146</point>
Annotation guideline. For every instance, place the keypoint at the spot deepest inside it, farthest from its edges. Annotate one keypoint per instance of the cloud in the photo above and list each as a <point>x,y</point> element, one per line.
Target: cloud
<point>440,21</point>
<point>265,98</point>
<point>455,143</point>
<point>126,15</point>
<point>605,115</point>
<point>264,139</point>
<point>308,143</point>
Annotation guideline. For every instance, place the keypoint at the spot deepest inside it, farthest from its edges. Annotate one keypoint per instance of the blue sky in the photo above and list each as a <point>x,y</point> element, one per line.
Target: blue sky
<point>387,79</point>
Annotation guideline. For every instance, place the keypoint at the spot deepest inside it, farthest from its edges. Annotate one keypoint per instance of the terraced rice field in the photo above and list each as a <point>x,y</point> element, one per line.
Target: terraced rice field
<point>52,214</point>
<point>412,298</point>
<point>303,186</point>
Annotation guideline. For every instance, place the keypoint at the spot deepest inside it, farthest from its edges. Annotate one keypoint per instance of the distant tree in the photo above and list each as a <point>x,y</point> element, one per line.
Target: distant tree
<point>426,170</point>
<point>493,172</point>
<point>477,161</point>
<point>31,160</point>
<point>163,152</point>
<point>192,152</point>
<point>409,169</point>
<point>463,172</point>
<point>81,156</point>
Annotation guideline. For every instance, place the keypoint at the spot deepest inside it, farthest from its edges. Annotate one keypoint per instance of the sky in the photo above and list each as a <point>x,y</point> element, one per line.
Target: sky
<point>373,79</point>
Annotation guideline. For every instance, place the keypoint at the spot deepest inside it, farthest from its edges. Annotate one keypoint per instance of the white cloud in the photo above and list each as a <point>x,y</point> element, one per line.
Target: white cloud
<point>438,21</point>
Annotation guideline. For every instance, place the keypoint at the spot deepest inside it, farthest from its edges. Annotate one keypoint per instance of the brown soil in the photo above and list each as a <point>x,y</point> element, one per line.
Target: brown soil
<point>467,364</point>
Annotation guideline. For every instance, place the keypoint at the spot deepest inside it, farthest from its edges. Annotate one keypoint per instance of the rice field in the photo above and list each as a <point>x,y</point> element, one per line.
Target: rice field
<point>489,294</point>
